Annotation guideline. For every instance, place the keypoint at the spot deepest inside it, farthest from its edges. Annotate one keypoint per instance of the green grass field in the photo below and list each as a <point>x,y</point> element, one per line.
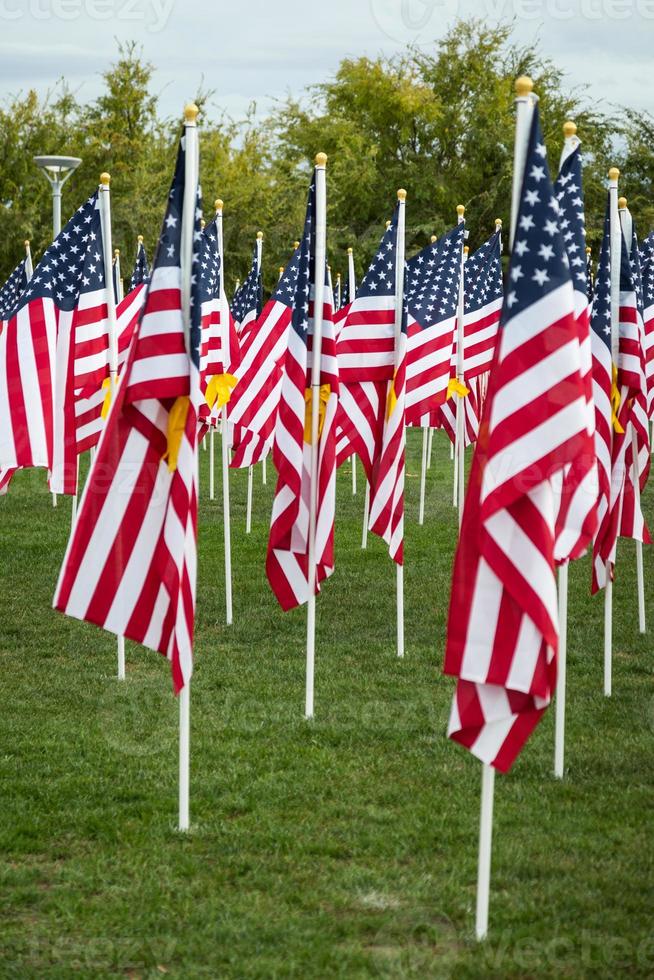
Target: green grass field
<point>345,847</point>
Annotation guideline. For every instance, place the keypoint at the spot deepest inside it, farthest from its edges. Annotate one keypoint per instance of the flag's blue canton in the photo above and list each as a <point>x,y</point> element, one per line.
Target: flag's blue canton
<point>285,289</point>
<point>432,279</point>
<point>647,269</point>
<point>300,319</point>
<point>196,289</point>
<point>141,271</point>
<point>345,291</point>
<point>13,289</point>
<point>569,194</point>
<point>249,295</point>
<point>379,280</point>
<point>209,263</point>
<point>482,275</point>
<point>630,277</point>
<point>600,318</point>
<point>74,263</point>
<point>539,263</point>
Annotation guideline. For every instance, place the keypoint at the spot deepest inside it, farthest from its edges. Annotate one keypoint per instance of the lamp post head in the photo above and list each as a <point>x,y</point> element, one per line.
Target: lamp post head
<point>57,169</point>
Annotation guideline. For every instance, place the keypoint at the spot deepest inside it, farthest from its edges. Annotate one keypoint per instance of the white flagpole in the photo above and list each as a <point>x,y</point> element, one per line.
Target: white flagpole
<point>485,850</point>
<point>366,516</point>
<point>430,447</point>
<point>212,468</point>
<point>399,310</point>
<point>104,195</point>
<point>316,363</point>
<point>264,474</point>
<point>559,704</point>
<point>120,292</point>
<point>224,428</point>
<point>191,170</point>
<point>351,290</point>
<point>616,259</point>
<point>627,226</point>
<point>423,474</point>
<point>570,143</point>
<point>460,407</point>
<point>29,265</point>
<point>524,110</point>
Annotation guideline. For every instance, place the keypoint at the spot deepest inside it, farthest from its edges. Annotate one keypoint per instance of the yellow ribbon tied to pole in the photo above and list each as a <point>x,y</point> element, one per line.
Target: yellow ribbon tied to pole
<point>106,404</point>
<point>615,401</point>
<point>176,426</point>
<point>391,398</point>
<point>456,387</point>
<point>325,392</point>
<point>219,390</point>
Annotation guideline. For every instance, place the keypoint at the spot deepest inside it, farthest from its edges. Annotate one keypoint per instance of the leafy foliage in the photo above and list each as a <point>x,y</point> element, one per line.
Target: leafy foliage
<point>438,122</point>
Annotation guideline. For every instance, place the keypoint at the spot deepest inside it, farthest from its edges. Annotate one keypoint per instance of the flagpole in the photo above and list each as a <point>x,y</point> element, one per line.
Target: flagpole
<point>399,312</point>
<point>29,266</point>
<point>316,363</point>
<point>104,199</point>
<point>627,227</point>
<point>212,490</point>
<point>524,109</point>
<point>616,261</point>
<point>351,277</point>
<point>559,705</point>
<point>191,170</point>
<point>460,408</point>
<point>366,516</point>
<point>120,292</point>
<point>423,474</point>
<point>570,144</point>
<point>430,447</point>
<point>224,430</point>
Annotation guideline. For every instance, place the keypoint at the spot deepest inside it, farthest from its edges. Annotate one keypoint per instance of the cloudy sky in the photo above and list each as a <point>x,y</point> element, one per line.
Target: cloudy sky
<point>255,50</point>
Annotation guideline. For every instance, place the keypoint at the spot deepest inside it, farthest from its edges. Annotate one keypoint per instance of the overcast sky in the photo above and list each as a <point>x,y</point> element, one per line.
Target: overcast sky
<point>258,50</point>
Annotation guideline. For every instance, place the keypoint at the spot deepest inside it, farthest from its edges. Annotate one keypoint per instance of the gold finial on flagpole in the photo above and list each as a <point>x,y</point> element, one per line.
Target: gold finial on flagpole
<point>498,222</point>
<point>105,179</point>
<point>614,173</point>
<point>259,236</point>
<point>321,159</point>
<point>117,252</point>
<point>588,250</point>
<point>401,194</point>
<point>350,251</point>
<point>191,112</point>
<point>460,210</point>
<point>523,86</point>
<point>466,249</point>
<point>296,244</point>
<point>218,204</point>
<point>139,239</point>
<point>434,238</point>
<point>27,243</point>
<point>569,128</point>
<point>622,203</point>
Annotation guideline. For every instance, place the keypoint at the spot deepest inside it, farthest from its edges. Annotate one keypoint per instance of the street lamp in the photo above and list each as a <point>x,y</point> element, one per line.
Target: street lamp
<point>57,170</point>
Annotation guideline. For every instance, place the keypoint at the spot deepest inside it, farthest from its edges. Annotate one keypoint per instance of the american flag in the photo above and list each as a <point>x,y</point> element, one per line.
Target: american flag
<point>577,514</point>
<point>366,340</point>
<point>248,299</point>
<point>432,281</point>
<point>92,402</point>
<point>633,372</point>
<point>503,631</point>
<point>647,275</point>
<point>13,289</point>
<point>255,400</point>
<point>366,356</point>
<point>483,292</point>
<point>55,344</point>
<point>130,565</point>
<point>220,351</point>
<point>288,545</point>
<point>603,392</point>
<point>141,271</point>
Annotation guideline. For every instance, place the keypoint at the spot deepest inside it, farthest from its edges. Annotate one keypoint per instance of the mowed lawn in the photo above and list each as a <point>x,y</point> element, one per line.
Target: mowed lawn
<point>345,847</point>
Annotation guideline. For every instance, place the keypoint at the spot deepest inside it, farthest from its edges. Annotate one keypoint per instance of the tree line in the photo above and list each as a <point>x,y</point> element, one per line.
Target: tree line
<point>438,122</point>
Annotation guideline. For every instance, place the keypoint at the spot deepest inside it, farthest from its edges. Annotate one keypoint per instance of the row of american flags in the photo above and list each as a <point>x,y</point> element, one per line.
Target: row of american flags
<point>557,394</point>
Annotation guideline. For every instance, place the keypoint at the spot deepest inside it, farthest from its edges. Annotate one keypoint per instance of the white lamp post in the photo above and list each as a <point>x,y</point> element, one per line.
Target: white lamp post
<point>57,170</point>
